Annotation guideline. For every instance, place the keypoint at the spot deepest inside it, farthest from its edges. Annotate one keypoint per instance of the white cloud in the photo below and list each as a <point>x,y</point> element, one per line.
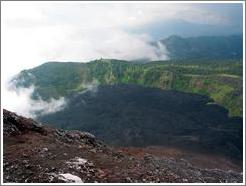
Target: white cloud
<point>19,100</point>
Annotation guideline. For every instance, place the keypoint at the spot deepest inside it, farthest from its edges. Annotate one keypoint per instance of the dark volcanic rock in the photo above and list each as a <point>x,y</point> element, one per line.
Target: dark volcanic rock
<point>31,155</point>
<point>131,115</point>
<point>16,125</point>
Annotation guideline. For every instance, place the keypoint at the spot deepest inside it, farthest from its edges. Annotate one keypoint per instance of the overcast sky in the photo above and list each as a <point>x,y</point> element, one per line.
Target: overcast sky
<point>36,32</point>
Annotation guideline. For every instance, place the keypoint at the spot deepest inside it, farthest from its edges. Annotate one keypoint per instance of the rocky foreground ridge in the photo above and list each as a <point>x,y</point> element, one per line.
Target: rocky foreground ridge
<point>34,152</point>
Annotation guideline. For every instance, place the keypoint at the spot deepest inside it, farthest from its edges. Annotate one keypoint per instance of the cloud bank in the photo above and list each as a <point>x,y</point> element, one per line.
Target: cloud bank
<point>19,100</point>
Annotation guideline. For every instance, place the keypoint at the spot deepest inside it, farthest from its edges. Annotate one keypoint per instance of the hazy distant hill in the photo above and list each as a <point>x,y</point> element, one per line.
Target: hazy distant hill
<point>209,47</point>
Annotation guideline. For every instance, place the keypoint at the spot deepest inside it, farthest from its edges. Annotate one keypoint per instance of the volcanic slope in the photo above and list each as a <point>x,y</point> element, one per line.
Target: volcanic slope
<point>35,153</point>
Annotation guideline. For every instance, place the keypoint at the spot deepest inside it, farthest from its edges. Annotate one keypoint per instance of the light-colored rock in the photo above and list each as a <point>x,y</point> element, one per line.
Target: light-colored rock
<point>70,178</point>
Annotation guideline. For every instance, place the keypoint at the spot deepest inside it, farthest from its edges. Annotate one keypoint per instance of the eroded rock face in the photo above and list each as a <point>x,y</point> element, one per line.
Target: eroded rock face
<point>36,153</point>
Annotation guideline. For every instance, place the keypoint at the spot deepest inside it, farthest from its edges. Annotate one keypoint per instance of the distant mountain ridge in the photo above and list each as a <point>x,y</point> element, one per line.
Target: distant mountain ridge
<point>209,47</point>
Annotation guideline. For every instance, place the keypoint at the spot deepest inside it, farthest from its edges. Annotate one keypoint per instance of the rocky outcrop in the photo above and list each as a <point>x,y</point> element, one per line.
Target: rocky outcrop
<point>17,125</point>
<point>35,153</point>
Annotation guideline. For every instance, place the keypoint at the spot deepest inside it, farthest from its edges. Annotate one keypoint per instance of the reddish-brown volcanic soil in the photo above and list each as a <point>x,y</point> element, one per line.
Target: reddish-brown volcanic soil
<point>35,153</point>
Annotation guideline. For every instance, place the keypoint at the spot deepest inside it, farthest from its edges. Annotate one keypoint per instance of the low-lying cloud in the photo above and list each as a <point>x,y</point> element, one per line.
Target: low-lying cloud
<point>90,87</point>
<point>19,100</point>
<point>82,45</point>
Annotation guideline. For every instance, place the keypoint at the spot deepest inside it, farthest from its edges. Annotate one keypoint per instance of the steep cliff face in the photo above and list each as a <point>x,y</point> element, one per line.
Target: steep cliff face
<point>34,152</point>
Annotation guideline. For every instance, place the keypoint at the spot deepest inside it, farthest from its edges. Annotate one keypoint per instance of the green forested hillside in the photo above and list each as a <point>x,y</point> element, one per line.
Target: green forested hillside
<point>221,80</point>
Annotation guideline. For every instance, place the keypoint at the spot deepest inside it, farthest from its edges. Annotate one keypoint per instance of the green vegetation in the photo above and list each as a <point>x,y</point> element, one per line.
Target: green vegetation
<point>221,80</point>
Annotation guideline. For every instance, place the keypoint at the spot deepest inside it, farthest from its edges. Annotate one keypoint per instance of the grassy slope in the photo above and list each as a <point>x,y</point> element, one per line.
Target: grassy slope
<point>221,80</point>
